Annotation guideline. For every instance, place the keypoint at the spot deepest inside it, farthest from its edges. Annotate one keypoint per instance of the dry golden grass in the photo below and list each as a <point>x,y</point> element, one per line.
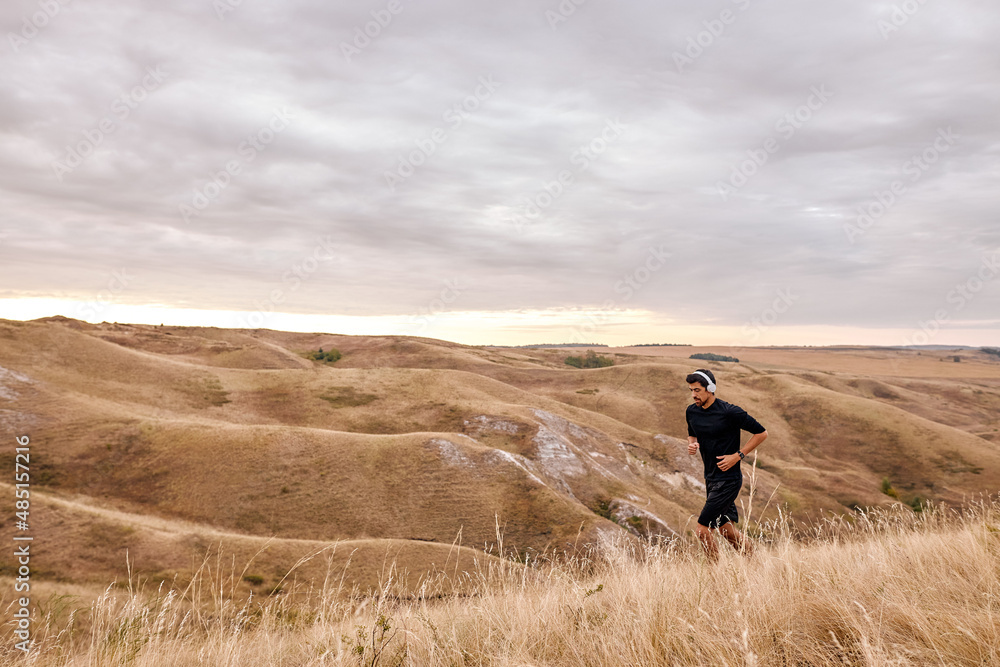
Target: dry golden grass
<point>884,588</point>
<point>77,541</point>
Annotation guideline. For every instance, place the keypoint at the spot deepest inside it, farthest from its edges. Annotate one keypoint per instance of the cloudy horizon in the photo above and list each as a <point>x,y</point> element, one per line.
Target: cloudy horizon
<point>735,172</point>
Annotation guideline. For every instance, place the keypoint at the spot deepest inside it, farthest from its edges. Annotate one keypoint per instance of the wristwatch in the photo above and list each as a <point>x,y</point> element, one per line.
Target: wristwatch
<point>742,455</point>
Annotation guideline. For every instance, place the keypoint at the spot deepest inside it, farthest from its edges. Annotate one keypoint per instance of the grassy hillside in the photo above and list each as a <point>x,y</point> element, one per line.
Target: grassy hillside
<point>238,433</point>
<point>106,543</point>
<point>880,588</point>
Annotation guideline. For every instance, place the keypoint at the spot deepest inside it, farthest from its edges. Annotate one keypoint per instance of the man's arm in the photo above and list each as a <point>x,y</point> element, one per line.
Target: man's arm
<point>692,438</point>
<point>728,461</point>
<point>753,442</point>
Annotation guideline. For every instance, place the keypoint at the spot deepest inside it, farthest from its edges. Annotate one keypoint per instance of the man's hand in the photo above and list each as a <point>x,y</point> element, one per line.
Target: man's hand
<point>692,448</point>
<point>728,461</point>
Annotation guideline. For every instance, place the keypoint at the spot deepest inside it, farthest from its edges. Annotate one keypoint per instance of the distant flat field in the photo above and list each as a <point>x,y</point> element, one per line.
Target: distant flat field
<point>854,360</point>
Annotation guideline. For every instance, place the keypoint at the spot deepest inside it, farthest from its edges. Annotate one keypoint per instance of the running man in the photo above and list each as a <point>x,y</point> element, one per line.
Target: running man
<point>714,428</point>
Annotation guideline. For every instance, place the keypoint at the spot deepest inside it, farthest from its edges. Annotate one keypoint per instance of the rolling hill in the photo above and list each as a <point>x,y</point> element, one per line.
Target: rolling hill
<point>164,441</point>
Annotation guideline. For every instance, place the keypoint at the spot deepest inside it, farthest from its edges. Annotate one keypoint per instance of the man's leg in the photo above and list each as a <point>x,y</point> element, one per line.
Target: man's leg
<point>720,510</point>
<point>736,538</point>
<point>707,541</point>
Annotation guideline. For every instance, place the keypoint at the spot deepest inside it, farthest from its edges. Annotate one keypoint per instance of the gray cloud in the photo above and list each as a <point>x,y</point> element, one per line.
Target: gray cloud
<point>466,210</point>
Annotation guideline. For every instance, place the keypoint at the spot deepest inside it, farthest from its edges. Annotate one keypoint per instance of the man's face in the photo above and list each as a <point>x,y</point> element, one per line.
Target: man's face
<point>699,393</point>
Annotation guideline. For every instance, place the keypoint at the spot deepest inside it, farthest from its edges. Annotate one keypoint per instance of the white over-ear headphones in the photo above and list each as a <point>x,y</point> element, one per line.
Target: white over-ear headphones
<point>711,385</point>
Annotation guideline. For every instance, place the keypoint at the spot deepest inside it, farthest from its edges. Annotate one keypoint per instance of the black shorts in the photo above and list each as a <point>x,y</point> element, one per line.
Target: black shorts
<point>720,508</point>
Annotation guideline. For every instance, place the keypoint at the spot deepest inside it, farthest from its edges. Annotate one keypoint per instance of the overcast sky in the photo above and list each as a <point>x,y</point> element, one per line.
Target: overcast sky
<point>745,171</point>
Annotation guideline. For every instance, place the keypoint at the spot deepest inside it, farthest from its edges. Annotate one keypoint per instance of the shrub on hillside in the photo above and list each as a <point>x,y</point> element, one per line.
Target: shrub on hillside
<point>590,360</point>
<point>711,356</point>
<point>919,503</point>
<point>602,507</point>
<point>332,355</point>
<point>991,350</point>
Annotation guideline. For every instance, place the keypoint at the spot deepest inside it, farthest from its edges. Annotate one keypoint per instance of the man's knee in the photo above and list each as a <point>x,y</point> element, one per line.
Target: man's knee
<point>732,534</point>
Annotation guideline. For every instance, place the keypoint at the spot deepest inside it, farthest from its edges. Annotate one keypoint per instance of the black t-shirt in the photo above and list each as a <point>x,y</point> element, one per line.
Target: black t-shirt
<point>718,432</point>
